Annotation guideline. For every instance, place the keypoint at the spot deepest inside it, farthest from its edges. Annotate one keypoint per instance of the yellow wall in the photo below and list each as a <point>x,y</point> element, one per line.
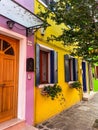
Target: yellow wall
<point>44,106</point>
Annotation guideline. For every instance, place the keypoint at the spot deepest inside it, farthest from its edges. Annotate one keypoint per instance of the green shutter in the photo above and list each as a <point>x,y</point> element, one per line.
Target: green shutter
<point>37,64</point>
<point>75,69</point>
<point>53,67</point>
<point>66,67</point>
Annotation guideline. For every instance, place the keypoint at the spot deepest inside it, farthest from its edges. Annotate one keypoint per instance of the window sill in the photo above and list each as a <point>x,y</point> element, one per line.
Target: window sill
<point>70,82</point>
<point>42,85</point>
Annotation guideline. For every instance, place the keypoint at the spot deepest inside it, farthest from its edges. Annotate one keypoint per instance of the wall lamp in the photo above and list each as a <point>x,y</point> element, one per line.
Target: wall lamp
<point>10,24</point>
<point>30,31</point>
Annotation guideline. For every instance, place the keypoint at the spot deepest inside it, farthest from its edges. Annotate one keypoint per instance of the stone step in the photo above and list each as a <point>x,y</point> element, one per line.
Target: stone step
<point>88,96</point>
<point>29,128</point>
<point>16,124</point>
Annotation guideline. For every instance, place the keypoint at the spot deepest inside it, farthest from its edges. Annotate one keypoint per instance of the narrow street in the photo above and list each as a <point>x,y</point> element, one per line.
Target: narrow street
<point>79,117</point>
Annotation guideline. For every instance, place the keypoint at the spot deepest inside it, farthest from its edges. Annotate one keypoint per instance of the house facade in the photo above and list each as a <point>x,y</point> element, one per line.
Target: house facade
<point>17,60</point>
<point>29,62</point>
<point>53,65</point>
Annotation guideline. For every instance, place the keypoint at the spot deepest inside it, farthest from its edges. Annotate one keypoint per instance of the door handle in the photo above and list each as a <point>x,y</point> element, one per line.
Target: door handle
<point>1,85</point>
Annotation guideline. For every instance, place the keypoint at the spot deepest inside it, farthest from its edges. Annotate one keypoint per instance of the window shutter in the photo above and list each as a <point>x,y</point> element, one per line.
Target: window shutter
<point>75,69</point>
<point>53,67</point>
<point>37,64</point>
<point>66,66</point>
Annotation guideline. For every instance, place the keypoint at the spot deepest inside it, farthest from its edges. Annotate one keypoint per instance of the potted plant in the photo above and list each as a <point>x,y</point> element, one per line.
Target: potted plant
<point>52,91</point>
<point>75,84</point>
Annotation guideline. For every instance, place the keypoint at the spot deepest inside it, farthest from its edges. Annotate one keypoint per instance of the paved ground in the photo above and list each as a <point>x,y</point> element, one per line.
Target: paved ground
<point>79,117</point>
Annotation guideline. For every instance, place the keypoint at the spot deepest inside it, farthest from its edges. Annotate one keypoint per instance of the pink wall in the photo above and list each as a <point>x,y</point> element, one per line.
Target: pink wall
<point>30,53</point>
<point>30,88</point>
<point>27,4</point>
<point>17,28</point>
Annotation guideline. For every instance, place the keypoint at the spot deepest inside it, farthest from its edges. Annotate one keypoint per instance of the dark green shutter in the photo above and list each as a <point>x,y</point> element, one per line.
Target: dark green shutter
<point>66,67</point>
<point>37,64</point>
<point>75,69</point>
<point>53,67</point>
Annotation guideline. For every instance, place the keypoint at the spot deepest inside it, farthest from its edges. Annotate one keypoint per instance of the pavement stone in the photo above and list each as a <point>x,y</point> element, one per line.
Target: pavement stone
<point>82,116</point>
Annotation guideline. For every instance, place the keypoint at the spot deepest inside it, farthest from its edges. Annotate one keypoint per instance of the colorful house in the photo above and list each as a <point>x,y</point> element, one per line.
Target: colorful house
<point>53,65</point>
<point>29,62</point>
<point>17,60</point>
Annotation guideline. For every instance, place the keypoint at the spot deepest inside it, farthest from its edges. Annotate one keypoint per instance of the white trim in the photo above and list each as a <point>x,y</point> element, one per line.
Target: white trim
<point>46,4</point>
<point>42,3</point>
<point>42,85</point>
<point>22,80</point>
<point>22,72</point>
<point>45,47</point>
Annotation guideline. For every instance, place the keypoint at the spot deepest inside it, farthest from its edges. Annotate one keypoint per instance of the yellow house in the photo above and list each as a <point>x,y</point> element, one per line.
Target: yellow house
<point>53,65</point>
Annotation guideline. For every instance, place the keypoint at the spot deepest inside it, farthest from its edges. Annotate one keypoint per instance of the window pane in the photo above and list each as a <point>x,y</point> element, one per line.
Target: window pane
<point>10,51</point>
<point>43,67</point>
<point>45,1</point>
<point>5,45</point>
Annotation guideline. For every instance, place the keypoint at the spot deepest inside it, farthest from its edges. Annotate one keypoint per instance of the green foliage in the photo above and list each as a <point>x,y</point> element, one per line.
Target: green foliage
<point>81,19</point>
<point>52,91</point>
<point>75,84</point>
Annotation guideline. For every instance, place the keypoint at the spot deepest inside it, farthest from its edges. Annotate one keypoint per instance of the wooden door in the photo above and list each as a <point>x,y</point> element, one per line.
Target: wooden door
<point>8,77</point>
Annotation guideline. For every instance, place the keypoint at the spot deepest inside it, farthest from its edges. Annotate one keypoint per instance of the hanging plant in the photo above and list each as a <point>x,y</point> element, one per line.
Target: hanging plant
<point>52,91</point>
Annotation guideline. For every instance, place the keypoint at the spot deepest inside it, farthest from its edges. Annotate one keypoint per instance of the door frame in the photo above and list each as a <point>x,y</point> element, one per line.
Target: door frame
<point>22,73</point>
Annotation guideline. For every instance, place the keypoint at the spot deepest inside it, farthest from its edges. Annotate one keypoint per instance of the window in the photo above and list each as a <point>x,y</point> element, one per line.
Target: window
<point>43,67</point>
<point>49,3</point>
<point>71,68</point>
<point>6,48</point>
<point>46,65</point>
<point>46,2</point>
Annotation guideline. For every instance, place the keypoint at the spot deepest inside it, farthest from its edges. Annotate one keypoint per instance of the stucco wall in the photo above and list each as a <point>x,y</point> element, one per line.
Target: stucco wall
<point>44,106</point>
<point>27,4</point>
<point>29,90</point>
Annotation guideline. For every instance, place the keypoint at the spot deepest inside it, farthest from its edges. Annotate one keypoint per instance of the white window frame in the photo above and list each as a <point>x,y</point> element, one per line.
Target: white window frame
<point>46,4</point>
<point>42,3</point>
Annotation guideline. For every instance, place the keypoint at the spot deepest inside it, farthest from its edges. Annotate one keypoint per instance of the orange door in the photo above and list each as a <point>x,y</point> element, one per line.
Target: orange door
<point>8,77</point>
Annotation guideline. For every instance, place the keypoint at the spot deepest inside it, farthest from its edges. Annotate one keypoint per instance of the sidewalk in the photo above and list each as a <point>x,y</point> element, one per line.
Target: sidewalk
<point>79,117</point>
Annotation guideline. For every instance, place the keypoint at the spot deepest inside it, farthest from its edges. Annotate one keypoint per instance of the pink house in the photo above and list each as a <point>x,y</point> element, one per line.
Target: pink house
<point>17,60</point>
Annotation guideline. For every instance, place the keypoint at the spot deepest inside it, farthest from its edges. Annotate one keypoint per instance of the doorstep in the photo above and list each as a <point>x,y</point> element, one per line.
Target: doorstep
<point>29,128</point>
<point>88,96</point>
<point>7,125</point>
<point>16,124</point>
